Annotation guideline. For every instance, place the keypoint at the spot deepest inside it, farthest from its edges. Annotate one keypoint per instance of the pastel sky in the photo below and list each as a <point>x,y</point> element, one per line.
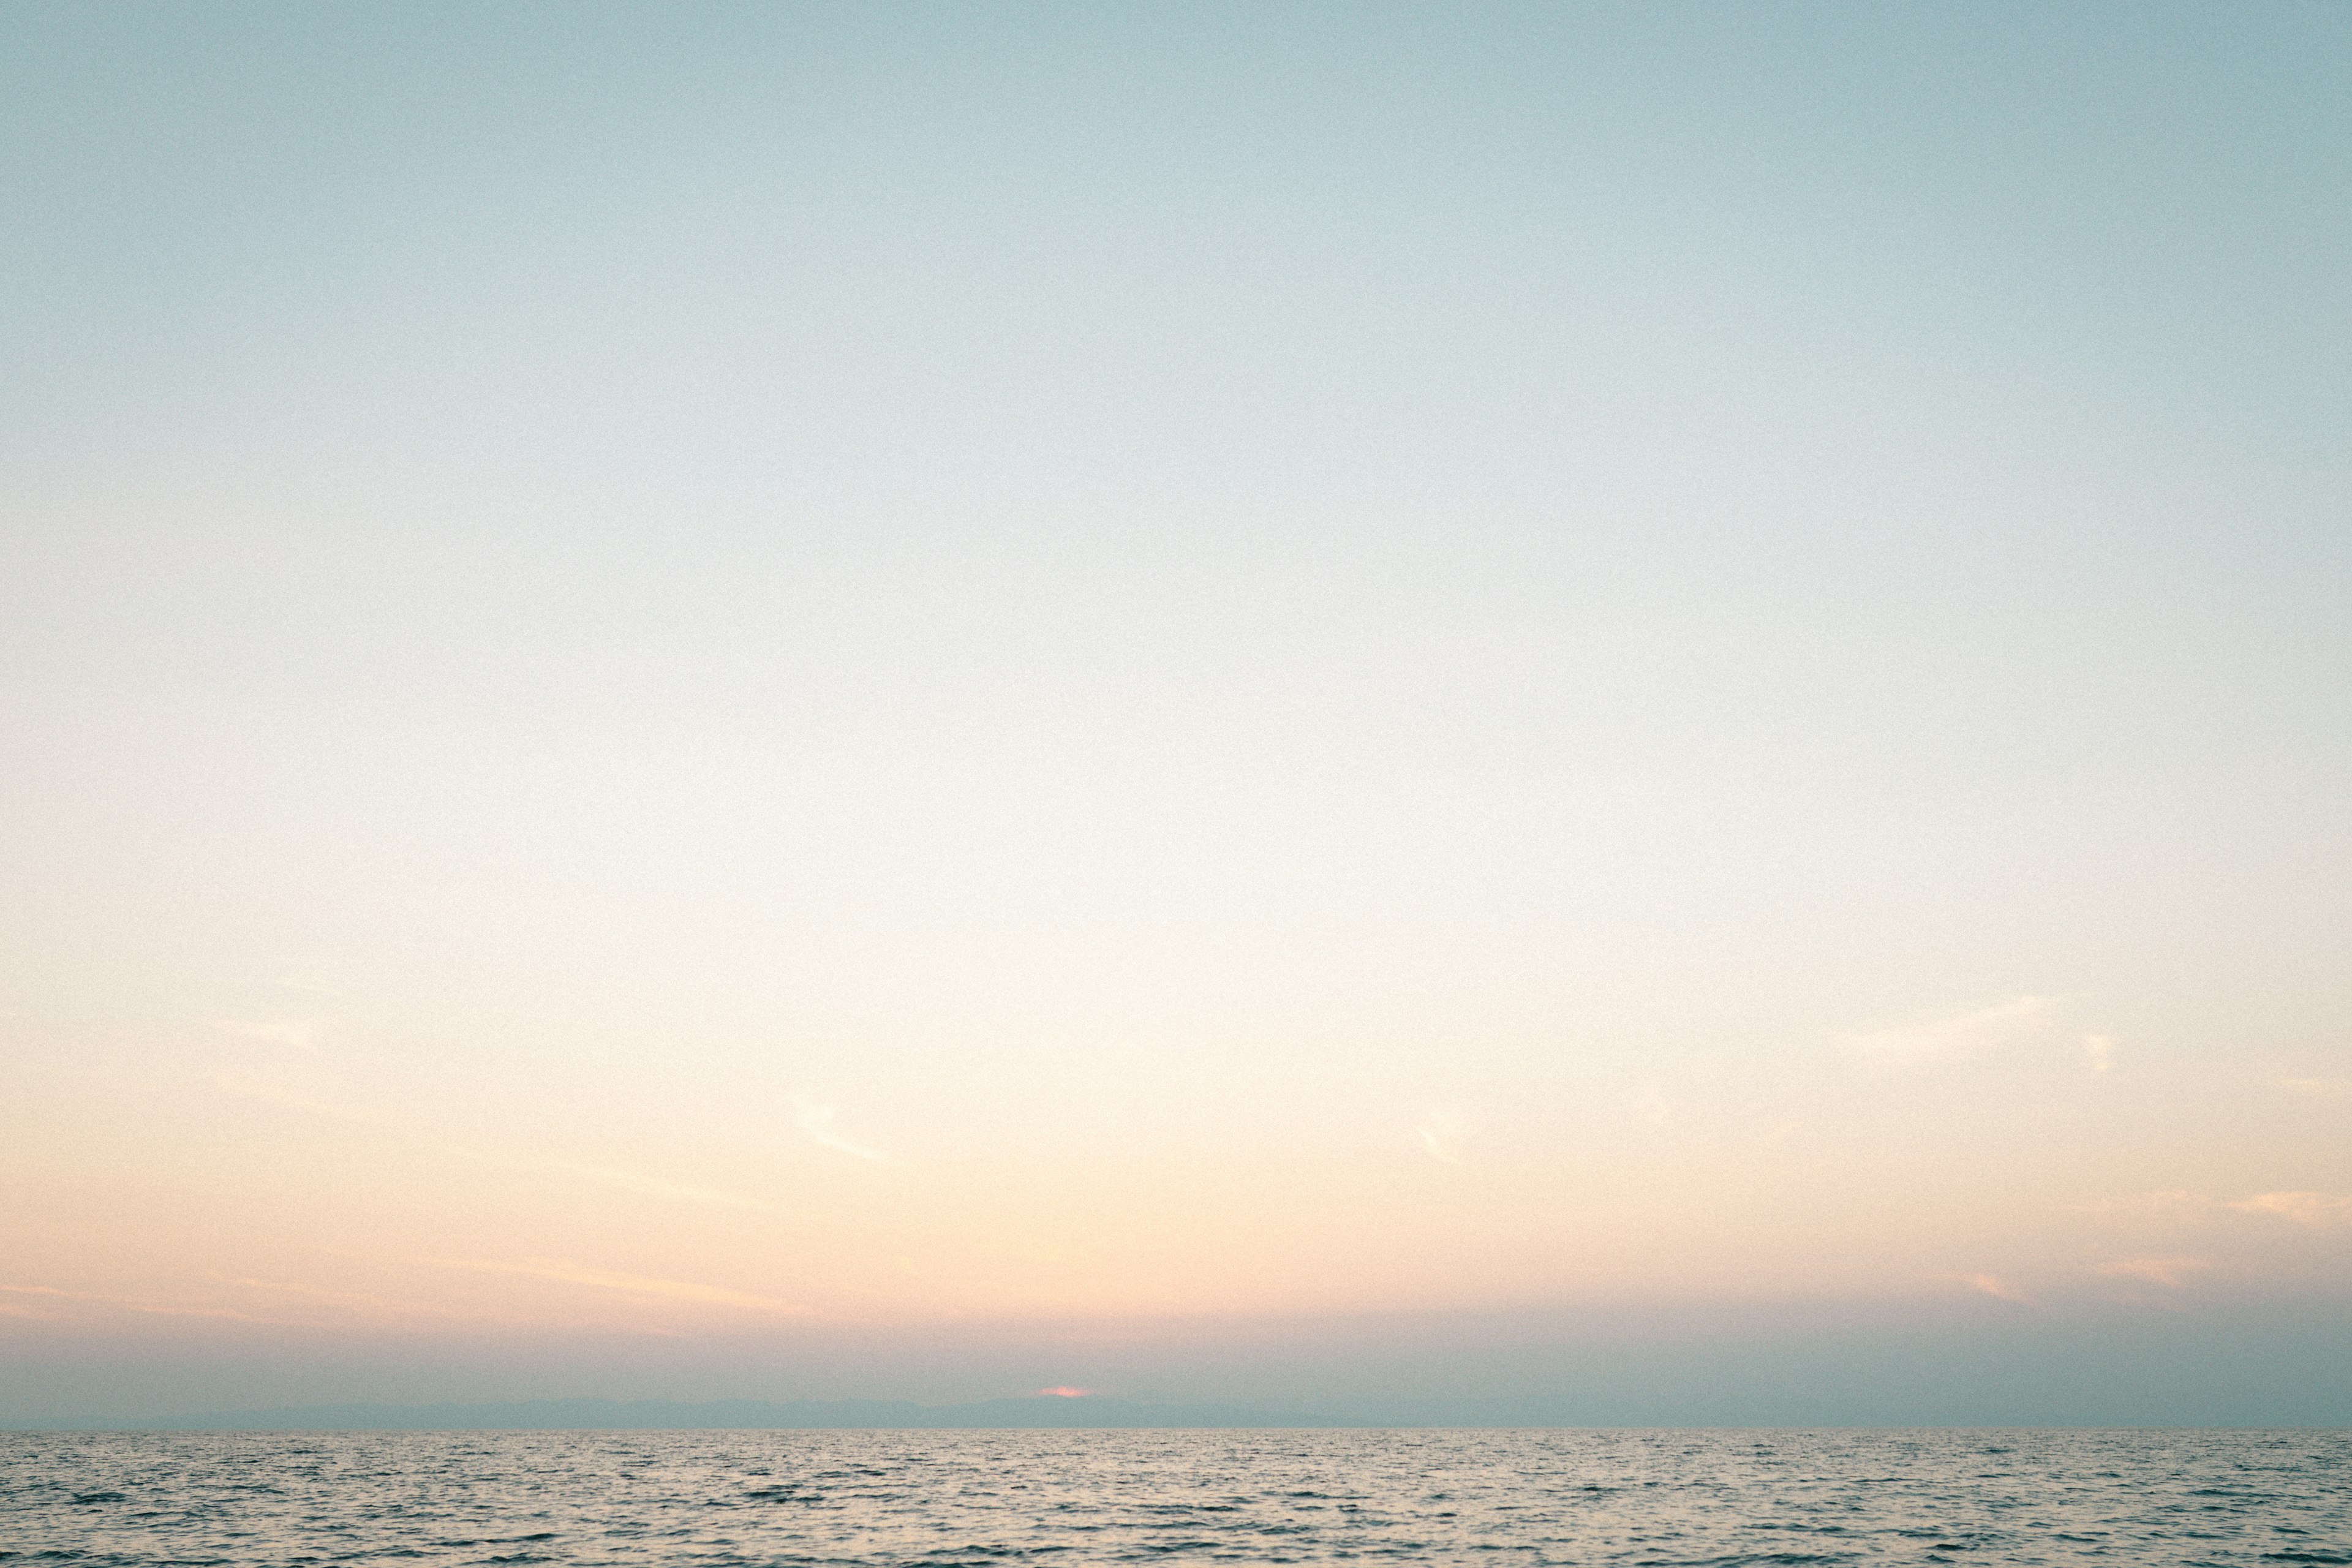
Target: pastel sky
<point>1465,713</point>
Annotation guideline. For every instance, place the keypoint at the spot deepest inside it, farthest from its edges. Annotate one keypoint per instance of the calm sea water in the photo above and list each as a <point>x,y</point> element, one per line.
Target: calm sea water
<point>1442,1497</point>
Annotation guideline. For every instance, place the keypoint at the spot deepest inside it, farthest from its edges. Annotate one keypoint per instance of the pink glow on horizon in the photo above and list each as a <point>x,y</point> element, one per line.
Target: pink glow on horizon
<point>1063,1392</point>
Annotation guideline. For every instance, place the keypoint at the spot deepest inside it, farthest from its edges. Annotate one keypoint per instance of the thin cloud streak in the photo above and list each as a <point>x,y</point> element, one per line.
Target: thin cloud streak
<point>301,1034</point>
<point>1999,1289</point>
<point>1955,1034</point>
<point>364,1300</point>
<point>629,1284</point>
<point>2316,1209</point>
<point>2172,1273</point>
<point>816,1120</point>
<point>1439,1133</point>
<point>655,1187</point>
<point>2320,1086</point>
<point>635,1182</point>
<point>143,1304</point>
<point>250,1087</point>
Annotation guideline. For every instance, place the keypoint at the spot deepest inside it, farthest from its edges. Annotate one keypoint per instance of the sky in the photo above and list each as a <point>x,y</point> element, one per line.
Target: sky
<point>1585,713</point>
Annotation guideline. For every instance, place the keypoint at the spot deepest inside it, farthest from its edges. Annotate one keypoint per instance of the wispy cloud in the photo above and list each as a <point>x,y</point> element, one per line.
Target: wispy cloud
<point>2024,1020</point>
<point>2173,1200</point>
<point>1954,1033</point>
<point>262,1087</point>
<point>265,1088</point>
<point>1440,1132</point>
<point>2305,1209</point>
<point>1649,1108</point>
<point>2328,1086</point>
<point>361,1300</point>
<point>630,1182</point>
<point>628,1284</point>
<point>655,1187</point>
<point>141,1304</point>
<point>1993,1285</point>
<point>306,986</point>
<point>19,1308</point>
<point>2311,1208</point>
<point>817,1120</point>
<point>301,1033</point>
<point>2172,1273</point>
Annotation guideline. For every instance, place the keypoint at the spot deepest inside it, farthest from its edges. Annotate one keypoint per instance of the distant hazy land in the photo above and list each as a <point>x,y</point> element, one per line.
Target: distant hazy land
<point>674,1415</point>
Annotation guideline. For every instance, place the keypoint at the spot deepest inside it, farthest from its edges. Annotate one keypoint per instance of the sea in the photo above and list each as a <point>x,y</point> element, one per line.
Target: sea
<point>728,1498</point>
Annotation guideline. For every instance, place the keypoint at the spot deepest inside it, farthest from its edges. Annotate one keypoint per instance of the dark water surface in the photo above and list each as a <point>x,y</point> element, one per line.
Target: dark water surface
<point>1445,1497</point>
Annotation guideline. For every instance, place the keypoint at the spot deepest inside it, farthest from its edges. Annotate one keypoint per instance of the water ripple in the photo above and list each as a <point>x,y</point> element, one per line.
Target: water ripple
<point>960,1499</point>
